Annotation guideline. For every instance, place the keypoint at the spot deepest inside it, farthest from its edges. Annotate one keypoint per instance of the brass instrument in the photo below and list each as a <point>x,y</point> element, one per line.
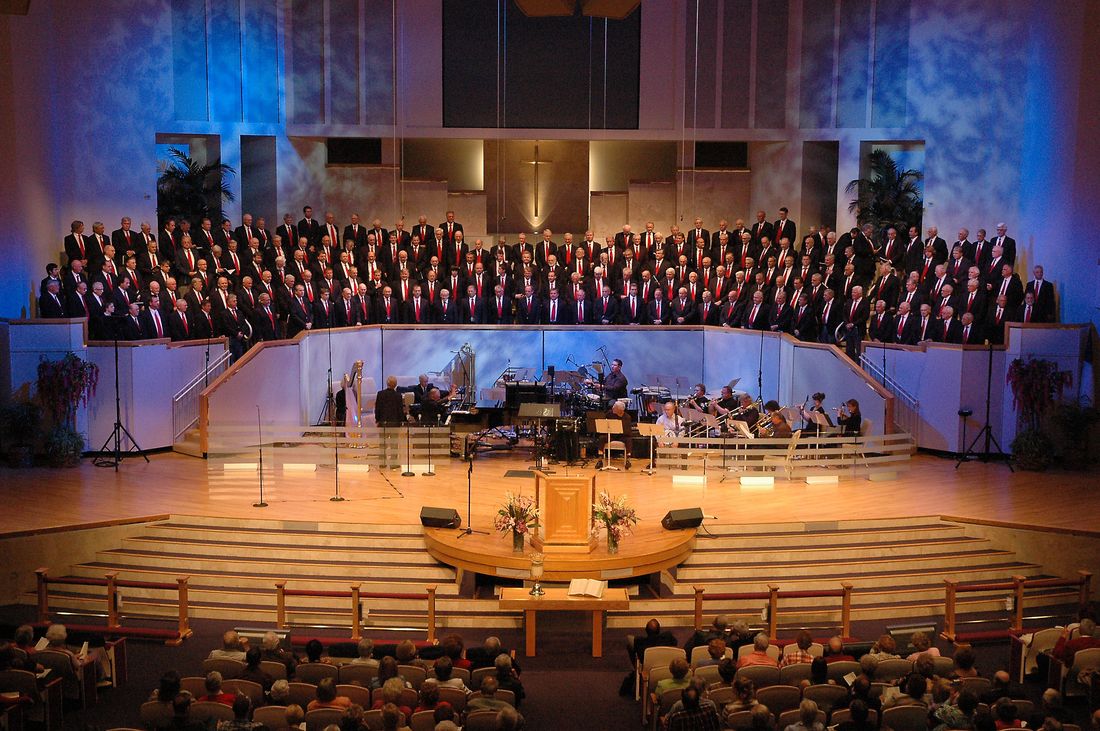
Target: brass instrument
<point>732,414</point>
<point>764,423</point>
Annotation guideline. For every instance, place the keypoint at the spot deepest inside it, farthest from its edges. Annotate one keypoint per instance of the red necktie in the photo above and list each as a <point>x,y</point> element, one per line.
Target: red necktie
<point>901,325</point>
<point>1027,314</point>
<point>417,303</point>
<point>500,308</point>
<point>156,319</point>
<point>553,311</point>
<point>580,313</point>
<point>183,319</point>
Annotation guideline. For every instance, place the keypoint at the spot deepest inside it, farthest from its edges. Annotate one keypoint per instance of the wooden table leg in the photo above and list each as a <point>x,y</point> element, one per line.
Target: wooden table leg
<point>529,623</point>
<point>597,633</point>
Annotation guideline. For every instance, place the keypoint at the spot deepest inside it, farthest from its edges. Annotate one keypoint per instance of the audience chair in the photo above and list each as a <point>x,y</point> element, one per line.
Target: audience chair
<point>708,673</point>
<point>761,675</point>
<point>794,674</point>
<point>779,698</point>
<point>906,718</point>
<point>977,686</point>
<point>409,697</point>
<point>663,706</point>
<point>72,684</point>
<point>1082,659</point>
<point>206,711</point>
<point>877,689</point>
<point>826,697</point>
<point>654,676</point>
<point>739,720</point>
<point>155,714</point>
<point>276,670</point>
<point>1070,727</point>
<point>654,657</point>
<point>302,693</point>
<point>943,666</point>
<point>787,718</point>
<point>1023,708</point>
<point>455,696</point>
<point>373,720</point>
<point>413,674</point>
<point>254,691</point>
<point>194,685</point>
<point>839,669</point>
<point>422,721</point>
<point>702,652</point>
<point>772,651</point>
<point>841,715</point>
<point>501,695</point>
<point>357,693</point>
<point>481,721</point>
<point>228,668</point>
<point>315,672</point>
<point>357,674</point>
<point>816,649</point>
<point>46,702</point>
<point>721,696</point>
<point>1042,641</point>
<point>889,671</point>
<point>318,719</point>
<point>474,681</point>
<point>272,717</point>
<point>462,673</point>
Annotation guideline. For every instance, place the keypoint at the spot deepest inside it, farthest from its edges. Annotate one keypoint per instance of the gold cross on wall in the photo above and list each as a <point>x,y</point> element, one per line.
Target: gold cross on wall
<point>536,162</point>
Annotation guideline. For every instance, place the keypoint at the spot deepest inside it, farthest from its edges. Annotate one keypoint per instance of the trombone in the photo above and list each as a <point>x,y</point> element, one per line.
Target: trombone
<point>733,414</point>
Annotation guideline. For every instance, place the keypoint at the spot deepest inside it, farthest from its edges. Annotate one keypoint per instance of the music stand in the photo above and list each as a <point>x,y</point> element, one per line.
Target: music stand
<point>822,422</point>
<point>652,431</point>
<point>539,413</point>
<point>608,427</point>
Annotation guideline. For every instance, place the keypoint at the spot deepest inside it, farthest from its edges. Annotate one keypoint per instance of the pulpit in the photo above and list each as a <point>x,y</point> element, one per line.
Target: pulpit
<point>565,512</point>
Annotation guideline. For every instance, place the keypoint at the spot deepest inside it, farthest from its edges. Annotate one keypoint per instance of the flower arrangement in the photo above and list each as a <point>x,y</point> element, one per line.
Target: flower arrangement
<point>517,516</point>
<point>615,516</point>
<point>65,384</point>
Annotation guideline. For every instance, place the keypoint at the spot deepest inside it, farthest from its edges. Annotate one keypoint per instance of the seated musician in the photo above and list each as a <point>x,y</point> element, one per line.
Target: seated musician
<point>746,412</point>
<point>848,416</point>
<point>819,408</point>
<point>618,411</point>
<point>699,400</point>
<point>432,409</point>
<point>778,426</point>
<point>723,404</point>
<point>671,421</point>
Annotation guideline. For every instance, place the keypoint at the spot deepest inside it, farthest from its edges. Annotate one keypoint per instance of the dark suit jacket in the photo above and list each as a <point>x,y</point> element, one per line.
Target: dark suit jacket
<point>881,328</point>
<point>804,324</point>
<point>779,320</point>
<point>389,408</point>
<point>561,312</point>
<point>263,328</point>
<point>948,332</point>
<point>760,230</point>
<point>176,329</point>
<point>445,317</point>
<point>425,312</point>
<point>51,307</point>
<point>394,315</point>
<point>905,333</point>
<point>498,313</point>
<point>1044,301</point>
<point>685,311</point>
<point>708,313</point>
<point>477,316</point>
<point>312,229</point>
<point>321,318</point>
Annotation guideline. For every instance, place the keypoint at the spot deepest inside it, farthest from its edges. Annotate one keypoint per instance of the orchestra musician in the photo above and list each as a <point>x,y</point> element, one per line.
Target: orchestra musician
<point>778,426</point>
<point>724,404</point>
<point>849,417</point>
<point>433,409</point>
<point>699,400</point>
<point>817,407</point>
<point>618,411</point>
<point>671,421</point>
<point>614,383</point>
<point>748,412</point>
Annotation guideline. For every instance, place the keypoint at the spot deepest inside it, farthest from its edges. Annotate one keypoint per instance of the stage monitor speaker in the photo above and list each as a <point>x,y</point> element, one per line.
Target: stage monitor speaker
<point>679,519</point>
<point>439,517</point>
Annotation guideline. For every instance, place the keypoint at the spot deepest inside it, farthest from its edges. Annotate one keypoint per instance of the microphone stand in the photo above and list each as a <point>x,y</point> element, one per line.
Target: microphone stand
<point>408,453</point>
<point>116,454</point>
<point>429,472</point>
<point>260,447</point>
<point>471,453</point>
<point>330,420</point>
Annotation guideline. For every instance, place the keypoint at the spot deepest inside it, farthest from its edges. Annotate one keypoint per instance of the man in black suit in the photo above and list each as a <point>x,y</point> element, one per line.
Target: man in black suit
<point>179,323</point>
<point>498,310</point>
<point>49,304</point>
<point>77,245</point>
<point>471,310</point>
<point>762,229</point>
<point>300,312</point>
<point>451,228</point>
<point>939,246</point>
<point>309,227</point>
<point>683,308</point>
<point>387,310</point>
<point>784,227</point>
<point>126,242</point>
<point>1006,242</point>
<point>203,326</point>
<point>582,310</point>
<point>131,325</point>
<point>1029,312</point>
<point>971,331</point>
<point>1008,285</point>
<point>658,311</point>
<point>1043,292</point>
<point>755,314</point>
<point>389,406</point>
<point>857,310</point>
<point>605,308</point>
<point>232,324</point>
<point>288,234</point>
<point>356,232</point>
<point>555,311</point>
<point>528,307</point>
<point>265,323</point>
<point>322,310</point>
<point>153,322</point>
<point>903,331</point>
<point>948,328</point>
<point>445,311</point>
<point>707,312</point>
<point>804,321</point>
<point>780,314</point>
<point>829,318</point>
<point>881,327</point>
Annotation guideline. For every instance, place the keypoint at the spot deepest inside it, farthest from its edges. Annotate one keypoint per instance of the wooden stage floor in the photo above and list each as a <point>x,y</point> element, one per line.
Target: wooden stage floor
<point>172,483</point>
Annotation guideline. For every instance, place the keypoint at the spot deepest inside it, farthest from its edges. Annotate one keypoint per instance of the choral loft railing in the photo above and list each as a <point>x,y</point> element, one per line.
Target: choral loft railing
<point>906,405</point>
<point>185,403</point>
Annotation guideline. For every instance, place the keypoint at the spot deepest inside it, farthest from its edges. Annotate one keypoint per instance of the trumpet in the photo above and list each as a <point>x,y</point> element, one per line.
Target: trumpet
<point>733,414</point>
<point>763,424</point>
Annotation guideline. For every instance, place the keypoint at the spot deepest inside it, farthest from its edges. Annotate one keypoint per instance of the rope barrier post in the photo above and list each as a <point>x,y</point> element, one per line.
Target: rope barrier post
<point>846,610</point>
<point>112,600</point>
<point>356,613</point>
<point>698,606</point>
<point>43,595</point>
<point>1018,603</point>
<point>280,604</point>
<point>949,610</point>
<point>773,607</point>
<point>431,613</point>
<point>184,628</point>
<point>1086,589</point>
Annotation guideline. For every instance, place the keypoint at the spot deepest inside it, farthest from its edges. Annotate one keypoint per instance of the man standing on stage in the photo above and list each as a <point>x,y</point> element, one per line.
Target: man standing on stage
<point>389,412</point>
<point>614,384</point>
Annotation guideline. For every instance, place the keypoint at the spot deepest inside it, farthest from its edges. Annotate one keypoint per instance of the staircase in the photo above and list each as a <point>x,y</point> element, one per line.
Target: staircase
<point>897,568</point>
<point>185,406</point>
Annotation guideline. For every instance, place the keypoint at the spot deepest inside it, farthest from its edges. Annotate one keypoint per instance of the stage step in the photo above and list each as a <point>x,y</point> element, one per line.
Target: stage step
<point>189,443</point>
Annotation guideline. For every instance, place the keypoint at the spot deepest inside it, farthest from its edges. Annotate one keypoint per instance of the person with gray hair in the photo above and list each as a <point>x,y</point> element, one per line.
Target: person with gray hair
<point>279,695</point>
<point>366,653</point>
<point>271,651</point>
<point>214,694</point>
<point>508,677</point>
<point>807,718</point>
<point>1086,638</point>
<point>701,637</point>
<point>759,654</point>
<point>233,647</point>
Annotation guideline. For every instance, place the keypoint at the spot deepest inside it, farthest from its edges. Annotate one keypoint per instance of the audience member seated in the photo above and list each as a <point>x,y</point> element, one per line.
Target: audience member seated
<point>858,715</point>
<point>486,655</point>
<point>1006,714</point>
<point>168,688</point>
<point>233,647</point>
<point>819,673</point>
<point>727,673</point>
<point>214,694</point>
<point>1050,706</point>
<point>391,693</point>
<point>964,663</point>
<point>252,669</point>
<point>270,650</point>
<point>315,652</point>
<point>861,691</point>
<point>387,668</point>
<point>391,717</point>
<point>762,719</point>
<point>835,652</point>
<point>694,712</point>
<point>509,719</point>
<point>744,697</point>
<point>1002,686</point>
<point>23,639</point>
<point>242,717</point>
<point>921,644</point>
<point>912,692</point>
<point>428,699</point>
<point>957,713</point>
<point>405,654</point>
<point>1087,638</point>
<point>295,717</point>
<point>279,695</point>
<point>759,654</point>
<point>445,677</point>
<point>654,637</point>
<point>885,648</point>
<point>366,653</point>
<point>507,678</point>
<point>487,701</point>
<point>453,647</point>
<point>802,654</point>
<point>327,698</point>
<point>181,715</point>
<point>679,669</point>
<point>716,650</point>
<point>717,631</point>
<point>807,718</point>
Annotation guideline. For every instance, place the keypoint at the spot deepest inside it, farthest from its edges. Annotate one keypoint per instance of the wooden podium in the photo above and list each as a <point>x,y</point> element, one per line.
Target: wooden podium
<point>565,514</point>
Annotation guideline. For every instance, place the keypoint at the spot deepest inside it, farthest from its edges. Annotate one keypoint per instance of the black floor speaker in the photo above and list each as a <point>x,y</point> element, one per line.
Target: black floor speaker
<point>686,518</point>
<point>441,517</point>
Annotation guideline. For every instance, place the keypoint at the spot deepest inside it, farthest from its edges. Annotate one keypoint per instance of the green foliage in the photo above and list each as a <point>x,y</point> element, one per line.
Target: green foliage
<point>65,384</point>
<point>1069,424</point>
<point>1033,450</point>
<point>888,196</point>
<point>21,422</point>
<point>189,190</point>
<point>1036,384</point>
<point>64,445</point>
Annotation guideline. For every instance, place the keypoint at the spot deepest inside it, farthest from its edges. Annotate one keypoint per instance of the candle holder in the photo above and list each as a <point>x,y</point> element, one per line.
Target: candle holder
<point>536,574</point>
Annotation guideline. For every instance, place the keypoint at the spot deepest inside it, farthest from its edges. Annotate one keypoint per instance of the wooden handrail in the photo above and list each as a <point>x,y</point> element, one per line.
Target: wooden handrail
<point>1018,585</point>
<point>355,593</point>
<point>773,595</point>
<point>112,600</point>
<point>184,615</point>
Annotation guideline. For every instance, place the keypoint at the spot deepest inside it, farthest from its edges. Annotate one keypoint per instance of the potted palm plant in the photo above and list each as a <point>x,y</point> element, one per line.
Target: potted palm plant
<point>888,196</point>
<point>188,189</point>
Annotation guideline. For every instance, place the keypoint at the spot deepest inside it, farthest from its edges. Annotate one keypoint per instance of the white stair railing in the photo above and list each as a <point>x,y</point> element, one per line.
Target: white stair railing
<point>185,403</point>
<point>906,405</point>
